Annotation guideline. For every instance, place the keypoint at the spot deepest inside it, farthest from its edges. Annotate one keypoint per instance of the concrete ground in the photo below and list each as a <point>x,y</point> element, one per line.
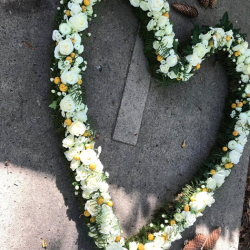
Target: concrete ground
<point>36,196</point>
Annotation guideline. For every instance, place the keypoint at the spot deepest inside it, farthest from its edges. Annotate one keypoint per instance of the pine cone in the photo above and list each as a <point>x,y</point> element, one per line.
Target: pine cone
<point>213,3</point>
<point>185,9</point>
<point>212,239</point>
<point>196,243</point>
<point>205,3</point>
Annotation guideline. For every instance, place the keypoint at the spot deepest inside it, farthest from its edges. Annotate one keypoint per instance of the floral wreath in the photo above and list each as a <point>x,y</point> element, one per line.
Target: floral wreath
<point>169,63</point>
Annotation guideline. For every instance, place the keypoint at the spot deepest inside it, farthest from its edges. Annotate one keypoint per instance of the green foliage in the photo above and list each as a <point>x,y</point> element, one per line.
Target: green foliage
<point>53,105</point>
<point>195,35</point>
<point>225,23</point>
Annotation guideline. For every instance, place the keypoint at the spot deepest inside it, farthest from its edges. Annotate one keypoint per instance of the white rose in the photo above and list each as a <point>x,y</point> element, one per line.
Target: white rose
<point>151,246</point>
<point>67,104</point>
<point>243,117</point>
<point>92,207</point>
<point>234,156</point>
<point>178,217</point>
<point>81,49</point>
<point>69,77</point>
<point>78,61</point>
<point>232,144</point>
<point>241,59</point>
<point>64,48</point>
<point>167,245</point>
<point>239,148</point>
<point>160,33</point>
<point>105,229</point>
<point>64,28</point>
<point>74,164</point>
<point>172,75</point>
<point>242,140</point>
<point>189,217</point>
<point>144,5</point>
<point>169,29</point>
<point>70,154</point>
<point>77,128</point>
<point>156,5</point>
<point>247,89</point>
<point>76,37</point>
<point>211,183</point>
<point>159,241</point>
<point>151,25</point>
<point>93,183</point>
<point>156,45</point>
<point>246,69</point>
<point>74,8</point>
<point>156,14</point>
<point>162,21</point>
<point>81,116</point>
<point>79,147</point>
<point>200,50</point>
<point>104,186</point>
<point>69,141</point>
<point>88,156</point>
<point>193,59</point>
<point>168,41</point>
<point>99,166</point>
<point>164,68</point>
<point>75,70</point>
<point>247,61</point>
<point>135,3</point>
<point>79,22</point>
<point>220,33</point>
<point>172,61</point>
<point>245,78</point>
<point>133,245</point>
<point>106,197</point>
<point>86,194</point>
<point>240,67</point>
<point>82,173</point>
<point>62,66</point>
<point>196,206</point>
<point>219,177</point>
<point>114,246</point>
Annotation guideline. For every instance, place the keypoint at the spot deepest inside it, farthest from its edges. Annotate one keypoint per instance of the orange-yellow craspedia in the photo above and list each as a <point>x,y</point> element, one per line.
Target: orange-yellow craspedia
<point>68,12</point>
<point>245,102</point>
<point>88,146</point>
<point>230,164</point>
<point>235,133</point>
<point>192,198</point>
<point>240,104</point>
<point>204,190</point>
<point>237,53</point>
<point>86,2</point>
<point>140,246</point>
<point>186,208</point>
<point>151,237</point>
<point>227,166</point>
<point>57,80</point>
<point>67,122</point>
<point>212,171</point>
<point>159,58</point>
<point>248,95</point>
<point>76,157</point>
<point>110,203</point>
<point>84,8</point>
<point>63,87</point>
<point>224,149</point>
<point>233,106</point>
<point>198,66</point>
<point>166,15</point>
<point>68,58</point>
<point>228,38</point>
<point>172,222</point>
<point>86,213</point>
<point>118,238</point>
<point>72,40</point>
<point>211,43</point>
<point>92,219</point>
<point>72,55</point>
<point>79,82</point>
<point>92,166</point>
<point>100,200</point>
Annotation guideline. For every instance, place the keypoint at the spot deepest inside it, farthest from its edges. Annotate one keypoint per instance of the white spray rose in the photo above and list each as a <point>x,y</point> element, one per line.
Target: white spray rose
<point>67,104</point>
<point>144,5</point>
<point>162,21</point>
<point>178,217</point>
<point>164,68</point>
<point>64,28</point>
<point>200,50</point>
<point>211,183</point>
<point>168,41</point>
<point>241,59</point>
<point>239,148</point>
<point>75,70</point>
<point>232,144</point>
<point>160,33</point>
<point>69,141</point>
<point>74,8</point>
<point>247,89</point>
<point>189,217</point>
<point>74,164</point>
<point>246,69</point>
<point>104,186</point>
<point>63,48</point>
<point>240,67</point>
<point>88,156</point>
<point>93,183</point>
<point>172,61</point>
<point>193,59</point>
<point>169,29</point>
<point>81,116</point>
<point>82,173</point>
<point>151,25</point>
<point>79,22</point>
<point>234,156</point>
<point>78,61</point>
<point>92,207</point>
<point>69,77</point>
<point>99,166</point>
<point>70,154</point>
<point>155,5</point>
<point>135,3</point>
<point>159,241</point>
<point>77,128</point>
<point>245,78</point>
<point>220,176</point>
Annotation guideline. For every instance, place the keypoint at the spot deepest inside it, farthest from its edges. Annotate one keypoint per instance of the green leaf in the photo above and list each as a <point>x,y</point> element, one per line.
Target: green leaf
<point>175,45</point>
<point>53,105</point>
<point>225,23</point>
<point>196,33</point>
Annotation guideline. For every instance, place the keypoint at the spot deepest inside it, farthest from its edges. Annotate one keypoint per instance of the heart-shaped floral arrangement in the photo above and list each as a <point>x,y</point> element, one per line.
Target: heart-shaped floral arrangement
<point>169,63</point>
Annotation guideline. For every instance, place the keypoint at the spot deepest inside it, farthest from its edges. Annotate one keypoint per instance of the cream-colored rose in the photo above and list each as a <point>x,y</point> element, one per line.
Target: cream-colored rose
<point>151,25</point>
<point>160,33</point>
<point>69,141</point>
<point>81,116</point>
<point>74,164</point>
<point>155,5</point>
<point>144,5</point>
<point>169,29</point>
<point>67,104</point>
<point>189,218</point>
<point>245,78</point>
<point>82,173</point>
<point>162,21</point>
<point>159,241</point>
<point>88,156</point>
<point>69,77</point>
<point>133,245</point>
<point>74,8</point>
<point>200,50</point>
<point>93,183</point>
<point>234,156</point>
<point>193,59</point>
<point>240,67</point>
<point>211,183</point>
<point>114,246</point>
<point>79,22</point>
<point>63,48</point>
<point>75,70</point>
<point>246,70</point>
<point>247,89</point>
<point>70,154</point>
<point>164,68</point>
<point>64,28</point>
<point>156,45</point>
<point>172,61</point>
<point>104,186</point>
<point>168,41</point>
<point>77,128</point>
<point>92,207</point>
<point>135,3</point>
<point>178,217</point>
